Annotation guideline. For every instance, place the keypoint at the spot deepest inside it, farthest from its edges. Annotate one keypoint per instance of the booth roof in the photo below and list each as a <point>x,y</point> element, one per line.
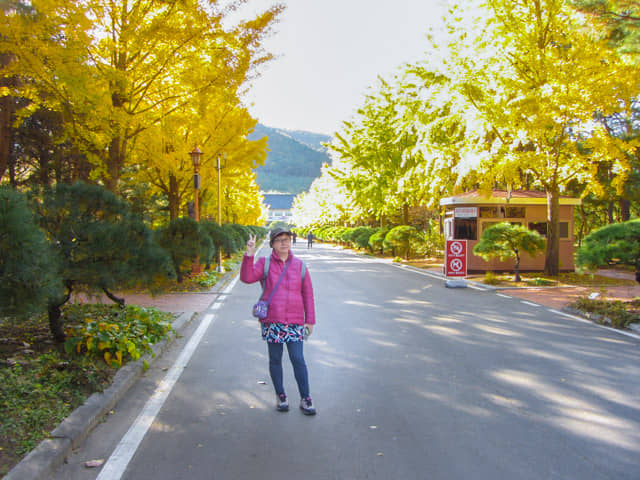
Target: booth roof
<point>516,197</point>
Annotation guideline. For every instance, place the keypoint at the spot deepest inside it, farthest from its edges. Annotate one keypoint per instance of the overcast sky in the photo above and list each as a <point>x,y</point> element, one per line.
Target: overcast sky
<point>330,52</point>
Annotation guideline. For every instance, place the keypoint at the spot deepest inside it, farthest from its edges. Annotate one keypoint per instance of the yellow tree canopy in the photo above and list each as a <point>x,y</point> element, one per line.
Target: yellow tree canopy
<point>119,68</point>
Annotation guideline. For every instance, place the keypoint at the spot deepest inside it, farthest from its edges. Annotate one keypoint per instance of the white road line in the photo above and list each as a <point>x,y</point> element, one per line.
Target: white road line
<point>529,303</point>
<point>124,451</point>
<point>585,320</point>
<point>503,295</point>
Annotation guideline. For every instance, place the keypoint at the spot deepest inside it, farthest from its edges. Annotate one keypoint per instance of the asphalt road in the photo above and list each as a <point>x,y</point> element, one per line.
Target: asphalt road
<point>411,380</point>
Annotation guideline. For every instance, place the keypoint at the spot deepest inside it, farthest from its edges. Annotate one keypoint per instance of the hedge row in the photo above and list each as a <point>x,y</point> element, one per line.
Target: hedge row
<point>59,240</point>
<point>401,240</point>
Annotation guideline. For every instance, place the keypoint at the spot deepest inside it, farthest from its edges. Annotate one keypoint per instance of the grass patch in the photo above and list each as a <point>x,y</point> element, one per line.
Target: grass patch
<point>42,384</point>
<point>534,279</point>
<point>618,314</point>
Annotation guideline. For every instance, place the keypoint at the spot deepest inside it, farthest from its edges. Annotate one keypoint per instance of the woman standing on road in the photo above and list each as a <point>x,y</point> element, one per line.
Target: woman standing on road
<point>291,313</point>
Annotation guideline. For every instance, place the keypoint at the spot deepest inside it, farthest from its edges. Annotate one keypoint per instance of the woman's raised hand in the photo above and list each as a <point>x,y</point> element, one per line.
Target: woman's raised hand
<point>251,245</point>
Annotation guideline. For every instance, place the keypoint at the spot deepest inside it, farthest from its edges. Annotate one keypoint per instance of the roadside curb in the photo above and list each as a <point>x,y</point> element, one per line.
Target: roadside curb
<point>633,330</point>
<point>42,461</point>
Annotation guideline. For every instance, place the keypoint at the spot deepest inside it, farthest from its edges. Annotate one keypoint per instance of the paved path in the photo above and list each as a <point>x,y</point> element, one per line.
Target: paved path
<point>412,380</point>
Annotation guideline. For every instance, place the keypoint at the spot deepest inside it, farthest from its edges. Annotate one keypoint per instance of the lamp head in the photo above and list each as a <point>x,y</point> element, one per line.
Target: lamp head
<point>195,156</point>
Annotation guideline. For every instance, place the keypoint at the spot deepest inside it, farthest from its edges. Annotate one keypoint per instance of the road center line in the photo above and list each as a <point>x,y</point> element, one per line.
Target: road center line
<point>529,303</point>
<point>124,451</point>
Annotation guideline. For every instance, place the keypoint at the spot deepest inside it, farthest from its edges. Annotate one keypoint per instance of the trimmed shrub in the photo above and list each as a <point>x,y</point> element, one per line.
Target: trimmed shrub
<point>29,272</point>
<point>376,240</point>
<point>360,237</point>
<point>618,243</point>
<point>184,241</point>
<point>100,243</point>
<point>399,239</point>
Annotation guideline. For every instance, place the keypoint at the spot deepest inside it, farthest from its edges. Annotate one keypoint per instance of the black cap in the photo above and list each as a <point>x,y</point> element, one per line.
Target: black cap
<point>276,232</point>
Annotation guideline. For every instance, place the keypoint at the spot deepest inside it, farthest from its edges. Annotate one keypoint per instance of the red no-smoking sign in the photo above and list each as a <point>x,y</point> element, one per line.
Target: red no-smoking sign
<point>456,258</point>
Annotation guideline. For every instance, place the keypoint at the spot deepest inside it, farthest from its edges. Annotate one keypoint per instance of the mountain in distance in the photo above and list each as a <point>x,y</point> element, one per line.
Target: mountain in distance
<point>293,161</point>
<point>313,140</point>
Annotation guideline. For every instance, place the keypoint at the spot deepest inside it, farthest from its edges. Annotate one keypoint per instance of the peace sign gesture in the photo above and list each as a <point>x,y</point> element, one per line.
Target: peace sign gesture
<point>251,245</point>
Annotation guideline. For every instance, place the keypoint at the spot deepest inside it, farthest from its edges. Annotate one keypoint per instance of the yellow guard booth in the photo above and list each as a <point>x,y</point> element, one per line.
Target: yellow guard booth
<point>467,215</point>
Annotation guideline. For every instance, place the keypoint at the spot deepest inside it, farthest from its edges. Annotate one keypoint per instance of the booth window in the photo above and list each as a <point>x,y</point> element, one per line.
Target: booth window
<point>514,212</point>
<point>541,228</point>
<point>466,229</point>
<point>488,212</point>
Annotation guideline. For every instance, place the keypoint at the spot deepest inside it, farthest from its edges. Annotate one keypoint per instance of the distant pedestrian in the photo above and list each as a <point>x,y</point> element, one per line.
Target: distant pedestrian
<point>310,240</point>
<point>294,237</point>
<point>290,315</point>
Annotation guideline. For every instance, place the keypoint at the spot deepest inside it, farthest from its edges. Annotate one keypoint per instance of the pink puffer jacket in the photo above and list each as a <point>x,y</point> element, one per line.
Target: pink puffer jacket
<point>293,301</point>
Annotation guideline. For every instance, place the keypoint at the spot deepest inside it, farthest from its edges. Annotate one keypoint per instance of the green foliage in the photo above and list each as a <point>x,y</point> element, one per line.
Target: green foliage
<point>236,238</point>
<point>379,163</point>
<point>619,20</point>
<point>606,312</point>
<point>330,233</point>
<point>490,278</point>
<point>37,396</point>
<point>400,239</point>
<point>28,268</point>
<point>183,239</point>
<point>361,235</point>
<point>376,240</point>
<point>505,240</point>
<point>618,243</point>
<point>428,243</point>
<point>100,242</point>
<point>120,335</point>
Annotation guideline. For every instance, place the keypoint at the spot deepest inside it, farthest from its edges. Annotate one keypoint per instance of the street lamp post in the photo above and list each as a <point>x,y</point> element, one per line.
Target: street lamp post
<point>196,268</point>
<point>218,167</point>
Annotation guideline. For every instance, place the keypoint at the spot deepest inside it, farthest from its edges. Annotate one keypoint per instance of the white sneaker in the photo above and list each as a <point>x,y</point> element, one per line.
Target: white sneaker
<point>307,406</point>
<point>282,405</point>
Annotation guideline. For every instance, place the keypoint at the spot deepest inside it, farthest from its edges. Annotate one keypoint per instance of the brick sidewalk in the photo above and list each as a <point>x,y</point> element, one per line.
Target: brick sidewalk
<point>171,302</point>
<point>559,297</point>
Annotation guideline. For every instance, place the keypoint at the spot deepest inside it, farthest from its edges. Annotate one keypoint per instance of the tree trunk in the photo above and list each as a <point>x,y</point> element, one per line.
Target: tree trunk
<point>56,325</point>
<point>6,108</point>
<point>405,214</point>
<point>517,267</point>
<point>610,213</point>
<point>55,322</point>
<point>583,226</point>
<point>6,113</point>
<point>174,198</point>
<point>113,298</point>
<point>552,257</point>
<point>176,266</point>
<point>115,162</point>
<point>625,210</point>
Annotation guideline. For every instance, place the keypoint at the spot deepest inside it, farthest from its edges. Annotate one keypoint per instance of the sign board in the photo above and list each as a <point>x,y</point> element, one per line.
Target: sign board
<point>456,258</point>
<point>465,212</point>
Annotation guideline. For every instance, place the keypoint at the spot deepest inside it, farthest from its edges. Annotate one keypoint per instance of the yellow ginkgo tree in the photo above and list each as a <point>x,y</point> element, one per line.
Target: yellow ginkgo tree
<point>116,69</point>
<point>537,85</point>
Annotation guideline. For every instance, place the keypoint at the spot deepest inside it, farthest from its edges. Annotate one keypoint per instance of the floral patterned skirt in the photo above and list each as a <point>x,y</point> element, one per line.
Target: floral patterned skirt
<point>282,333</point>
